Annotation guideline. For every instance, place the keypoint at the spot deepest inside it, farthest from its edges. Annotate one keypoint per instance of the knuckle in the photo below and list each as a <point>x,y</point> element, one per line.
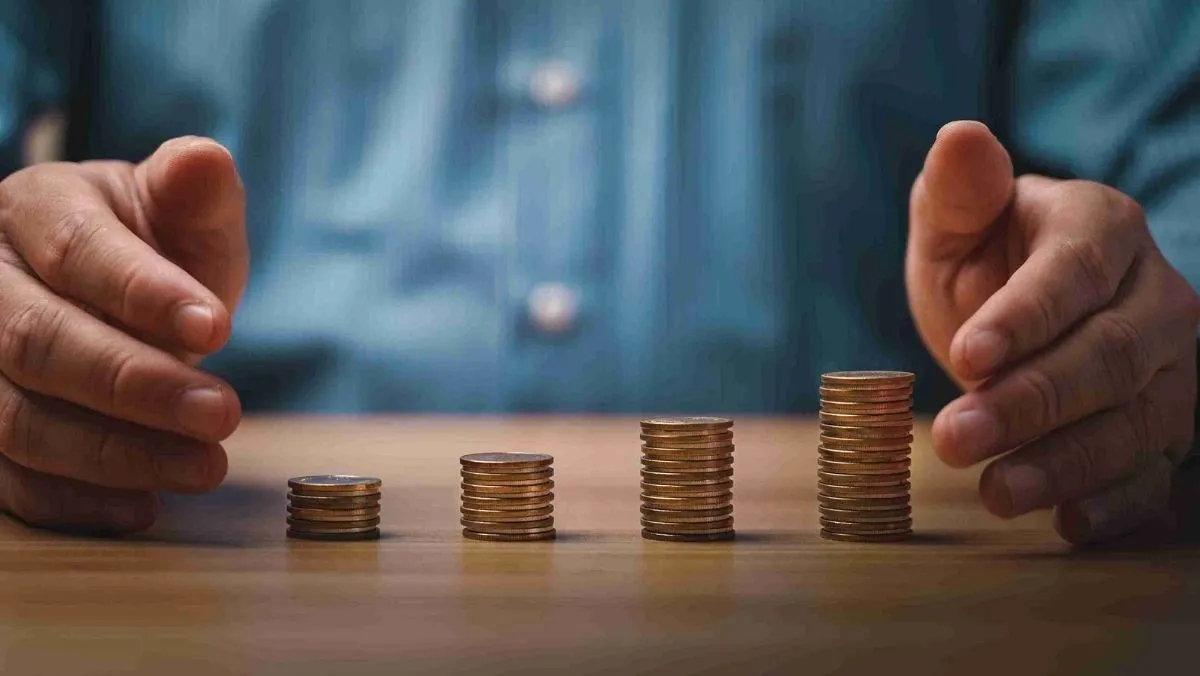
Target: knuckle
<point>1041,397</point>
<point>1124,354</point>
<point>1145,421</point>
<point>63,241</point>
<point>109,377</point>
<point>1089,259</point>
<point>1079,473</point>
<point>27,339</point>
<point>38,507</point>
<point>13,409</point>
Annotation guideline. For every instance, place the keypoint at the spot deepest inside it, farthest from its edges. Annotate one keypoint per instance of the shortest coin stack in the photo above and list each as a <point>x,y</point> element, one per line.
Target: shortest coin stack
<point>333,507</point>
<point>506,497</point>
<point>863,463</point>
<point>687,479</point>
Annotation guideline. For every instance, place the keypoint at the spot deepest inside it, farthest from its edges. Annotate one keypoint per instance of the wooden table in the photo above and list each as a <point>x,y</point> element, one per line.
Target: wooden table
<point>216,588</point>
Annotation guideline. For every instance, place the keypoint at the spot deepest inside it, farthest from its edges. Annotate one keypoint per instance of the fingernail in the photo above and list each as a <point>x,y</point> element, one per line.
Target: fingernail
<point>1026,486</point>
<point>122,513</point>
<point>985,351</point>
<point>194,323</point>
<point>202,411</point>
<point>974,432</point>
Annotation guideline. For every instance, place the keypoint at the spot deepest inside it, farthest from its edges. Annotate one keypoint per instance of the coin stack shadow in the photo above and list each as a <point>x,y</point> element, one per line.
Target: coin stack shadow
<point>333,507</point>
<point>863,464</point>
<point>506,497</point>
<point>687,479</point>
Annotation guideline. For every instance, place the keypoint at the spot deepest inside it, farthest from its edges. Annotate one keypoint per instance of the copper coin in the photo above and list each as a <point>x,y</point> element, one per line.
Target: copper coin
<point>687,478</point>
<point>507,516</point>
<point>837,479</point>
<point>873,527</point>
<point>506,479</point>
<point>863,491</point>
<point>850,394</point>
<point>509,537</point>
<point>688,435</point>
<point>677,527</point>
<point>300,525</point>
<point>690,537</point>
<point>864,457</point>
<point>671,444</point>
<point>505,470</point>
<point>718,453</point>
<point>867,380</point>
<point>686,466</point>
<point>489,462</point>
<point>524,528</point>
<point>506,503</point>
<point>862,504</point>
<point>371,534</point>
<point>686,503</point>
<point>661,490</point>
<point>333,514</point>
<point>864,432</point>
<point>846,420</point>
<point>333,501</point>
<point>694,516</point>
<point>654,425</point>
<point>339,484</point>
<point>862,537</point>
<point>862,516</point>
<point>867,407</point>
<point>541,488</point>
<point>841,467</point>
<point>847,444</point>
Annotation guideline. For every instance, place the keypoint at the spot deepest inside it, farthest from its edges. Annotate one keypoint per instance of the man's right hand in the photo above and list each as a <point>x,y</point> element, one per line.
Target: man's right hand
<point>114,280</point>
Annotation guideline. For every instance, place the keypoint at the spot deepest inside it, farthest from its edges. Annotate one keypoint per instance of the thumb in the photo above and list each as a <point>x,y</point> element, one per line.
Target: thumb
<point>196,211</point>
<point>964,188</point>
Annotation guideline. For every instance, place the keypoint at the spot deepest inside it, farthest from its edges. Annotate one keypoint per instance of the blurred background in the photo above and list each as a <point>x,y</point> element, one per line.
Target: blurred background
<point>575,205</point>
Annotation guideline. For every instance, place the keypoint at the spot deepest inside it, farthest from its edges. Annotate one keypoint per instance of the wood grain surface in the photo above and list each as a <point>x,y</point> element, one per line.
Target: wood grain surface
<point>216,588</point>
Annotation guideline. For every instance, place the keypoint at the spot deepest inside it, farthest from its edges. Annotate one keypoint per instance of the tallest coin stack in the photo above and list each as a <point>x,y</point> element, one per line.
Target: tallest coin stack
<point>863,464</point>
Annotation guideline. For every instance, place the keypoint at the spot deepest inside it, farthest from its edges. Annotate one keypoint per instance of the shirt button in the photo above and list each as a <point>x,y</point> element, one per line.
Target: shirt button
<point>553,307</point>
<point>554,85</point>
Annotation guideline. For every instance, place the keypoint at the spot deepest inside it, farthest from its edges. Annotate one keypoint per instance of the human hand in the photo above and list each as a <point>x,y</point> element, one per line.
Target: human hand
<point>1049,302</point>
<point>114,280</point>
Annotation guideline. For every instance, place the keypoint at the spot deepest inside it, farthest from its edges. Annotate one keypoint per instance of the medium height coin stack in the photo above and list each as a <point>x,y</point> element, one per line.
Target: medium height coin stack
<point>506,497</point>
<point>863,464</point>
<point>687,479</point>
<point>333,507</point>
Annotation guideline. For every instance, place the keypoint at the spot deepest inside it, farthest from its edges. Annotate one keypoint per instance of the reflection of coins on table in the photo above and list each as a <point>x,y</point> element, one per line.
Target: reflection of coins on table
<point>687,479</point>
<point>507,497</point>
<point>334,507</point>
<point>863,466</point>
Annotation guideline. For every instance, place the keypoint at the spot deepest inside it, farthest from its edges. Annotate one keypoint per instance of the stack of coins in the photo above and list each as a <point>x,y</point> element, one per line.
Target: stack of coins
<point>506,497</point>
<point>687,479</point>
<point>863,465</point>
<point>333,507</point>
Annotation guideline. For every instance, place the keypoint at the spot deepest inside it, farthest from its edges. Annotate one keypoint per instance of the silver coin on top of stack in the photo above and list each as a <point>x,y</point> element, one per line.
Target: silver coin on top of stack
<point>333,507</point>
<point>506,497</point>
<point>687,479</point>
<point>863,464</point>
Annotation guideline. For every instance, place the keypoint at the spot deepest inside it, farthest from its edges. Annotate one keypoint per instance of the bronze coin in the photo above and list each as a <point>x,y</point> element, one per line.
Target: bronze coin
<point>850,394</point>
<point>490,479</point>
<point>687,478</point>
<point>508,516</point>
<point>690,537</point>
<point>686,503</point>
<point>687,466</point>
<point>867,380</point>
<point>863,537</point>
<point>336,484</point>
<point>661,453</point>
<point>863,491</point>
<point>490,462</point>
<point>371,534</point>
<point>861,516</point>
<point>842,467</point>
<point>837,479</point>
<point>694,516</point>
<point>300,525</point>
<point>845,444</point>
<point>333,501</point>
<point>504,470</point>
<point>673,445</point>
<point>661,490</point>
<point>862,504</point>
<point>677,527</point>
<point>541,488</point>
<point>864,457</point>
<point>509,537</point>
<point>684,437</point>
<point>506,503</point>
<point>525,528</point>
<point>654,425</point>
<point>333,514</point>
<point>903,406</point>
<point>871,528</point>
<point>867,420</point>
<point>862,432</point>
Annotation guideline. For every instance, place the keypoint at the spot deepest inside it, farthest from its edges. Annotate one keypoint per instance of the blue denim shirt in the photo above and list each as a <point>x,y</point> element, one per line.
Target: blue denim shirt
<point>622,205</point>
